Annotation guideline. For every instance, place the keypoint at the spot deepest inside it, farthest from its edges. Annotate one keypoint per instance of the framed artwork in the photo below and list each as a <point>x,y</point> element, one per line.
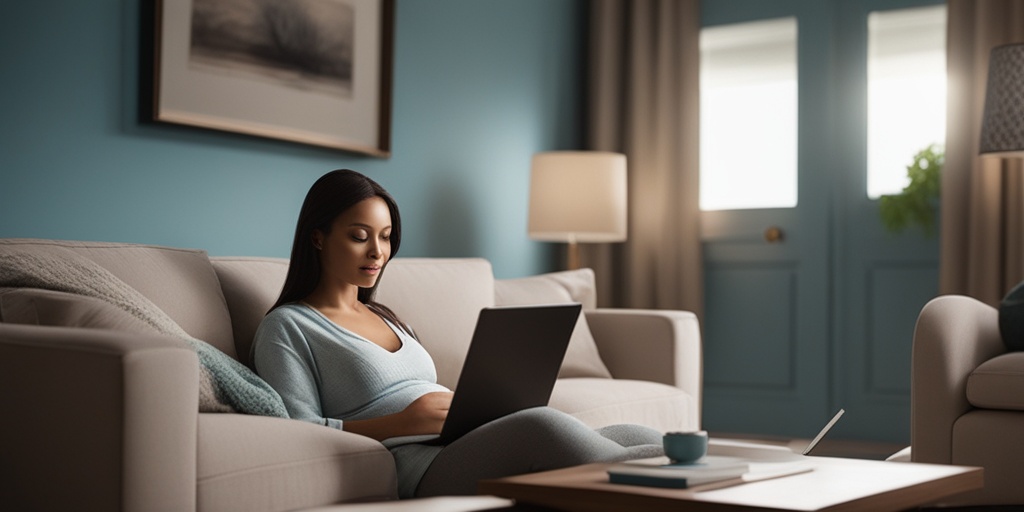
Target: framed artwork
<point>310,71</point>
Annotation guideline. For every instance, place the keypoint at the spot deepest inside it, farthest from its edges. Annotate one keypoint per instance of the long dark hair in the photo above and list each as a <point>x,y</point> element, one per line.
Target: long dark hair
<point>329,197</point>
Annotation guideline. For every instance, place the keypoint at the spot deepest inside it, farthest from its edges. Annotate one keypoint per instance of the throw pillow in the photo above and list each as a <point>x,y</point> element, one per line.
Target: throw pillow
<point>581,358</point>
<point>47,307</point>
<point>51,308</point>
<point>1011,318</point>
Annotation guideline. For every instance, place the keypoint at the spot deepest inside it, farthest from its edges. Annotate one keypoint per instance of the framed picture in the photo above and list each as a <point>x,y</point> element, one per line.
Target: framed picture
<point>310,71</point>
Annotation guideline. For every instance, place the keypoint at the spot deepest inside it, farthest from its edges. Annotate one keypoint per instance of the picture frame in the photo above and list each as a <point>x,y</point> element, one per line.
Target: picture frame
<point>315,72</point>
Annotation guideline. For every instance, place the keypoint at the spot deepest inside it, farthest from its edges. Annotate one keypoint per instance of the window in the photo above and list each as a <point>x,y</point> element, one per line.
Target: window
<point>906,92</point>
<point>748,119</point>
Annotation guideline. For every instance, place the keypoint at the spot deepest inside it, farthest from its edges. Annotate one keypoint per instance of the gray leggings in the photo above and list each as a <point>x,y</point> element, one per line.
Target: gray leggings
<point>532,440</point>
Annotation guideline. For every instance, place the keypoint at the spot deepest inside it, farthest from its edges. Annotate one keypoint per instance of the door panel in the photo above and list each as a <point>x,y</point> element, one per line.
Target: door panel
<point>823,318</point>
<point>754,305</point>
<point>767,303</point>
<point>763,362</point>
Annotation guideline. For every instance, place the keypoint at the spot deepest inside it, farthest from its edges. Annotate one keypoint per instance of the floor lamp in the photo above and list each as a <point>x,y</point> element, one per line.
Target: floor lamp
<point>1002,135</point>
<point>1002,126</point>
<point>577,196</point>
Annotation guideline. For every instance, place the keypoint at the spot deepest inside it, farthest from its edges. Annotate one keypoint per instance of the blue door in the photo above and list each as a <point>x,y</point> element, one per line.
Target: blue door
<point>811,303</point>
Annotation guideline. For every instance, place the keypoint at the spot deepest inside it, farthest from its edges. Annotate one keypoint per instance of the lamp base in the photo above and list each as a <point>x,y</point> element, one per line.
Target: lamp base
<point>572,255</point>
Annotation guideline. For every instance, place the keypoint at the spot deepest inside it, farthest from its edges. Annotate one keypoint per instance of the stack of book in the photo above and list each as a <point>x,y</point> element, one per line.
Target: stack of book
<point>707,470</point>
<point>710,472</point>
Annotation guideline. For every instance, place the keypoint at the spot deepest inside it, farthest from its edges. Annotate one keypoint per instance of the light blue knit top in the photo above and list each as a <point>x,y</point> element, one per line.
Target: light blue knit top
<point>327,374</point>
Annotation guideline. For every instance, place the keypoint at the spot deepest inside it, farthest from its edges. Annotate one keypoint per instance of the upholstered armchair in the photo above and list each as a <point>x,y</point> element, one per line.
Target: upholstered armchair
<point>967,405</point>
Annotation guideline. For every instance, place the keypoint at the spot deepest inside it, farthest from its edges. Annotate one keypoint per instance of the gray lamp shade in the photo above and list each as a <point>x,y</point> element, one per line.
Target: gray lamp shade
<point>1002,127</point>
<point>578,196</point>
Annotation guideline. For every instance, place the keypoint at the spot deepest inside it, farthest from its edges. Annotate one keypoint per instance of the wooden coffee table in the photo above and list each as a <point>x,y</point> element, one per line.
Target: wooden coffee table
<point>832,484</point>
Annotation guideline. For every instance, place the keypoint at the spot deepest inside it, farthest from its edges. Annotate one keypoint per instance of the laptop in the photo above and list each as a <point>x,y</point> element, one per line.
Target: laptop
<point>512,363</point>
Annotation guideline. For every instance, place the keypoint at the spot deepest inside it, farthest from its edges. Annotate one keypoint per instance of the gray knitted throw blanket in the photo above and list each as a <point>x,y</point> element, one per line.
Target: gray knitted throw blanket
<point>226,385</point>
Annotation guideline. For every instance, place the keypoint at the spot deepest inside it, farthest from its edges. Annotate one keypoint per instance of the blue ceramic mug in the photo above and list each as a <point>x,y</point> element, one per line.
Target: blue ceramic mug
<point>686,447</point>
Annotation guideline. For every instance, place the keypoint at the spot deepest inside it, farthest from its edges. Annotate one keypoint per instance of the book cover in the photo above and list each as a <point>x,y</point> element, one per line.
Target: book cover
<point>678,476</point>
<point>720,475</point>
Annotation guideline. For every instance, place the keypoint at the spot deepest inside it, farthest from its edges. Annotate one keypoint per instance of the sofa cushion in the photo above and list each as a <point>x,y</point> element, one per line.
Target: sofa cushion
<point>253,463</point>
<point>181,282</point>
<point>602,402</point>
<point>250,286</point>
<point>441,299</point>
<point>581,358</point>
<point>998,383</point>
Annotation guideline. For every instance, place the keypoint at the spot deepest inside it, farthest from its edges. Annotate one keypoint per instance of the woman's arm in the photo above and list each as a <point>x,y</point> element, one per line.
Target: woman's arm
<point>424,416</point>
<point>283,360</point>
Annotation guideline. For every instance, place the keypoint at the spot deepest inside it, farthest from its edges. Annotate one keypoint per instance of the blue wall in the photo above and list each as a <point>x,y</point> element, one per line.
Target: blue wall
<point>480,85</point>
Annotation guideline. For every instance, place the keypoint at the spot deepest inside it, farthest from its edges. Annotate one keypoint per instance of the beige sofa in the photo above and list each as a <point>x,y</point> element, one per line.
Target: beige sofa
<point>99,411</point>
<point>967,397</point>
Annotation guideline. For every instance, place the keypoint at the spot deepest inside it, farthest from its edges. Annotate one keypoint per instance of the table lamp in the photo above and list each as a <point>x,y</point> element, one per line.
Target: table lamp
<point>577,196</point>
<point>1002,126</point>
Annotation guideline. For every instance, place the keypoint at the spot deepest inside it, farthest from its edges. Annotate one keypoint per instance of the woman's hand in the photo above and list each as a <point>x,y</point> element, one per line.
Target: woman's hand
<point>425,415</point>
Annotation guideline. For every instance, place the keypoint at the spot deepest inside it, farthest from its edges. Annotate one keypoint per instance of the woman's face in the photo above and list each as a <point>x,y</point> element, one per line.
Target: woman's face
<point>358,245</point>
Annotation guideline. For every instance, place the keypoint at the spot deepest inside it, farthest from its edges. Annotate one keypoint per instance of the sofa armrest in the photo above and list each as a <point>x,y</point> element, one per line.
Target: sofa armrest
<point>654,345</point>
<point>954,334</point>
<point>96,418</point>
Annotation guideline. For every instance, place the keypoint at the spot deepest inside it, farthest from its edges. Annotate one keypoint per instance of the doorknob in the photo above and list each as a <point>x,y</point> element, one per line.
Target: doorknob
<point>773,235</point>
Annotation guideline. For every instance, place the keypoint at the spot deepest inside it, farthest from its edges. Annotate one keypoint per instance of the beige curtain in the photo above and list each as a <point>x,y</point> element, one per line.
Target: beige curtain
<point>982,198</point>
<point>643,101</point>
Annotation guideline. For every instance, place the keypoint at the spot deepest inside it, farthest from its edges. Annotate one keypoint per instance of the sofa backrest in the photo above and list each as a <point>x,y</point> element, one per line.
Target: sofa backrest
<point>181,282</point>
<point>250,286</point>
<point>222,300</point>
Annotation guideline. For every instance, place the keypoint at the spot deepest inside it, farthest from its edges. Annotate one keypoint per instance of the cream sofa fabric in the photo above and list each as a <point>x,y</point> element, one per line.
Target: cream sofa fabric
<point>998,383</point>
<point>297,465</point>
<point>965,401</point>
<point>250,286</point>
<point>599,402</point>
<point>653,346</point>
<point>96,420</point>
<point>107,412</point>
<point>581,357</point>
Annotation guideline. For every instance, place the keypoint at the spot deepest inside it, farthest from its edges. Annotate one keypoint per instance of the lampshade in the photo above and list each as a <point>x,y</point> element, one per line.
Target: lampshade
<point>1002,127</point>
<point>578,196</point>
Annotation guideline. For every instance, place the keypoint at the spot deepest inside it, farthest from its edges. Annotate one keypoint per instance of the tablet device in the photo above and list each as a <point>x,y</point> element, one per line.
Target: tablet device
<point>828,426</point>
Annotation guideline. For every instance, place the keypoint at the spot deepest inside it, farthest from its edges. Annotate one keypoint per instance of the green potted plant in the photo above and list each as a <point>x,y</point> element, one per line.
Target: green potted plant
<point>916,203</point>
